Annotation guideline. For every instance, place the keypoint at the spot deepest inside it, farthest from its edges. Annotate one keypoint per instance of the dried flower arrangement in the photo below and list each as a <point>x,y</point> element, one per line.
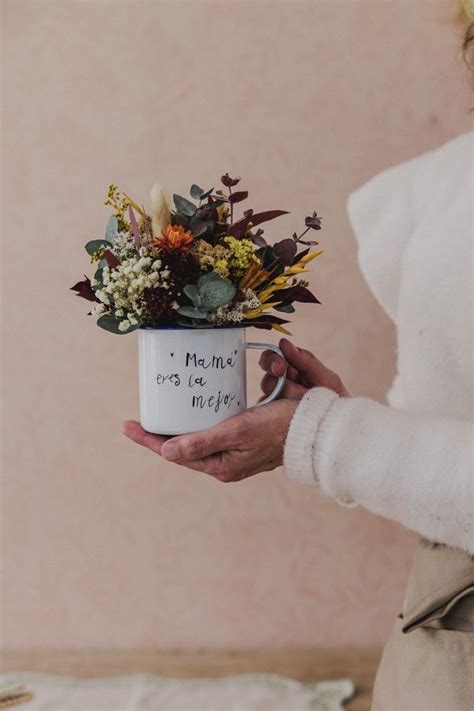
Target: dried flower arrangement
<point>195,265</point>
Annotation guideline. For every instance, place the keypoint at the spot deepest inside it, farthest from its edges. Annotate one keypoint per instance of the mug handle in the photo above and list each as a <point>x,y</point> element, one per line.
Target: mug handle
<point>281,380</point>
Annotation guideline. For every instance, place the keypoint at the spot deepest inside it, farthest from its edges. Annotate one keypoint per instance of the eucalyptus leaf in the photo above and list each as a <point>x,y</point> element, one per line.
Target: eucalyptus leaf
<point>196,192</point>
<point>96,245</point>
<point>258,240</point>
<point>192,312</point>
<point>192,292</point>
<point>184,206</point>
<point>206,194</point>
<point>215,291</point>
<point>198,228</point>
<point>111,231</point>
<point>111,324</point>
<point>287,309</point>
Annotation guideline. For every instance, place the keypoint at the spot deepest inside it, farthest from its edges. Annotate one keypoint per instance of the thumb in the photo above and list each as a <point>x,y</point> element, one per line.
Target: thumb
<point>314,372</point>
<point>307,365</point>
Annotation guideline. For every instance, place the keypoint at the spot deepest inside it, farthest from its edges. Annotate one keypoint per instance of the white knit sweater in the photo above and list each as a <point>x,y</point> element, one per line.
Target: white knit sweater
<point>413,460</point>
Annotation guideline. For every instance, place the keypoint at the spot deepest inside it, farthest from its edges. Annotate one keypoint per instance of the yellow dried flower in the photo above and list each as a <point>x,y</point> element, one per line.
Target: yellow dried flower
<point>280,281</point>
<point>97,256</point>
<point>221,267</point>
<point>119,202</point>
<point>253,276</point>
<point>242,254</point>
<point>208,256</point>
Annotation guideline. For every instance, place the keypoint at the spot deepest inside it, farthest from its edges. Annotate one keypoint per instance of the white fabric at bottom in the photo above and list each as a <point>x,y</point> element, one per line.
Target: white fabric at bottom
<point>143,692</point>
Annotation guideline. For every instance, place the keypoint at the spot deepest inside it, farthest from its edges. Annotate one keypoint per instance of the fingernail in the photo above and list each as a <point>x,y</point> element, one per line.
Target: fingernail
<point>171,450</point>
<point>274,368</point>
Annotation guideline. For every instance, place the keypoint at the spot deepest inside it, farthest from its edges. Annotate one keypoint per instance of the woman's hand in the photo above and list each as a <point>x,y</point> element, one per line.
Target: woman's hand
<point>252,441</point>
<point>304,371</point>
<point>235,449</point>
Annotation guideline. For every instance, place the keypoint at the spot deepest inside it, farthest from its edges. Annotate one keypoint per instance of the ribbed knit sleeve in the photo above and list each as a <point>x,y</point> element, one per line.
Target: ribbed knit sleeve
<point>396,464</point>
<point>301,440</point>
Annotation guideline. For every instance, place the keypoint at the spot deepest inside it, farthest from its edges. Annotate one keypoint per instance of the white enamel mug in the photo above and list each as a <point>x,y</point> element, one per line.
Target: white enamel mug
<point>191,379</point>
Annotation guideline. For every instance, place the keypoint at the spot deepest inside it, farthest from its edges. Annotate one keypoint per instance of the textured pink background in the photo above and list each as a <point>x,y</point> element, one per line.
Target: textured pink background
<point>104,545</point>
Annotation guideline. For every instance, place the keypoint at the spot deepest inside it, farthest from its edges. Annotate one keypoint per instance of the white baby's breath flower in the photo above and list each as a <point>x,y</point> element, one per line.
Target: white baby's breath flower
<point>124,286</point>
<point>98,310</point>
<point>234,314</point>
<point>124,325</point>
<point>123,244</point>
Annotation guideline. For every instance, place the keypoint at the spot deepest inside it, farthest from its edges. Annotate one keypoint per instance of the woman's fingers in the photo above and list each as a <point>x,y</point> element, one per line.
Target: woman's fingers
<point>272,363</point>
<point>303,368</point>
<point>134,431</point>
<point>275,365</point>
<point>291,390</point>
<point>311,369</point>
<point>214,464</point>
<point>227,435</point>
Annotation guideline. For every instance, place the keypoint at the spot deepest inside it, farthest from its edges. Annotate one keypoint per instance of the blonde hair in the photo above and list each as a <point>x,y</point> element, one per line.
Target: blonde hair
<point>468,9</point>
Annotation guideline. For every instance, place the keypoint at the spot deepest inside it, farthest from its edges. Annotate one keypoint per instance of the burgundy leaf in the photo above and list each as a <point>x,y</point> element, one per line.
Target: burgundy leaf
<point>313,221</point>
<point>296,293</point>
<point>228,181</point>
<point>134,225</point>
<point>111,259</point>
<point>239,196</point>
<point>268,318</point>
<point>84,290</point>
<point>285,251</point>
<point>301,255</point>
<point>203,213</point>
<point>239,228</point>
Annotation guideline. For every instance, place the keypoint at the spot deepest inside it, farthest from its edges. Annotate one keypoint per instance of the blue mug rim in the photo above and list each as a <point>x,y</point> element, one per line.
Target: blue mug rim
<point>192,328</point>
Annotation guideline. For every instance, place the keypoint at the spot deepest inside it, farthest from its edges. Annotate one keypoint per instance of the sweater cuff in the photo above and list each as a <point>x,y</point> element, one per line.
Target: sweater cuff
<point>301,438</point>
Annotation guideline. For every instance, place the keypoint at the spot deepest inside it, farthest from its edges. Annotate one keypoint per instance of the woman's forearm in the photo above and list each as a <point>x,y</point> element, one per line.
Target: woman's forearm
<point>414,469</point>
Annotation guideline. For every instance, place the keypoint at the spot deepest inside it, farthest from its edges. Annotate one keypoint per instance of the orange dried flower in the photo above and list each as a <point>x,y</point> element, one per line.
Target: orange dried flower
<point>175,238</point>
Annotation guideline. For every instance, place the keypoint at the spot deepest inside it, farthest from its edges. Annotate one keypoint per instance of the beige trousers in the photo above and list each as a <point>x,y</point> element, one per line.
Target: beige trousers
<point>428,661</point>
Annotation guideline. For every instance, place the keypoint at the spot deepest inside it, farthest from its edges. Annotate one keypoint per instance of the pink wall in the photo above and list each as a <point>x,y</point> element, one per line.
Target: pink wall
<point>105,545</point>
